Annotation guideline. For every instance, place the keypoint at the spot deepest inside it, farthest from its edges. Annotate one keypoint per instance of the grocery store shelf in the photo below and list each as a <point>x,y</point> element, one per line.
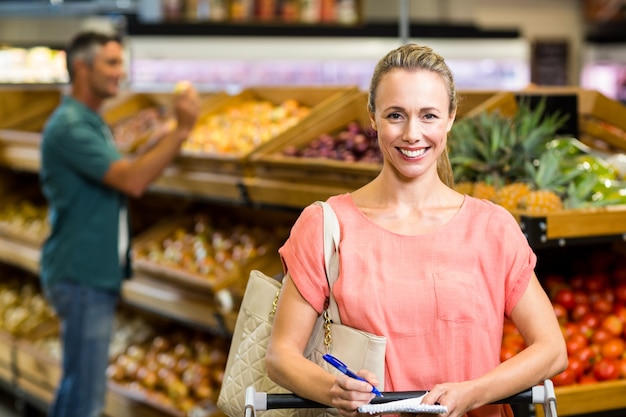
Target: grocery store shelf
<point>589,398</point>
<point>190,307</point>
<point>580,226</point>
<point>20,150</point>
<point>20,255</point>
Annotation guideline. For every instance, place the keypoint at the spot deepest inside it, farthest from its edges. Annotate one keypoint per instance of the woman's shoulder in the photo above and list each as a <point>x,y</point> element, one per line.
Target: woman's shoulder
<point>478,207</point>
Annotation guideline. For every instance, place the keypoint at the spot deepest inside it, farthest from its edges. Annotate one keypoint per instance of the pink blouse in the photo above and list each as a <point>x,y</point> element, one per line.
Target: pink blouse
<point>438,297</point>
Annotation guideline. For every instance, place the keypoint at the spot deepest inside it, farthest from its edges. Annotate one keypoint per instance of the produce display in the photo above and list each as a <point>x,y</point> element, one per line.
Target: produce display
<point>182,371</point>
<point>141,129</point>
<point>521,163</point>
<point>218,252</point>
<point>355,143</point>
<point>240,128</point>
<point>23,309</point>
<point>25,217</point>
<point>590,305</point>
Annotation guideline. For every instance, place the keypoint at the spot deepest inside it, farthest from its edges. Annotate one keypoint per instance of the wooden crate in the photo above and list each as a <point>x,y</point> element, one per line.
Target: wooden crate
<point>37,372</point>
<point>20,149</point>
<point>7,356</point>
<point>272,164</point>
<point>320,100</point>
<point>127,105</point>
<point>589,398</point>
<point>609,221</point>
<point>503,102</point>
<point>27,109</point>
<point>468,100</point>
<point>211,283</point>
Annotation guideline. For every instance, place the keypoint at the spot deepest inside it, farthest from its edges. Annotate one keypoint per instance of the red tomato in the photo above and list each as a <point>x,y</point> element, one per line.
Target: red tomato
<point>577,282</point>
<point>602,305</point>
<point>601,336</point>
<point>606,369</point>
<point>612,324</point>
<point>587,379</point>
<point>587,356</point>
<point>507,353</point>
<point>613,348</point>
<point>576,365</point>
<point>596,282</point>
<point>620,292</point>
<point>591,320</point>
<point>566,377</point>
<point>581,297</point>
<point>579,311</point>
<point>552,281</point>
<point>575,342</point>
<point>565,297</point>
<point>619,310</point>
<point>561,313</point>
<point>622,368</point>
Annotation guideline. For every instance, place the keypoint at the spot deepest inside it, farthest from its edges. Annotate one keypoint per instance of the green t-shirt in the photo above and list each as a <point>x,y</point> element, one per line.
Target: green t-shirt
<point>76,151</point>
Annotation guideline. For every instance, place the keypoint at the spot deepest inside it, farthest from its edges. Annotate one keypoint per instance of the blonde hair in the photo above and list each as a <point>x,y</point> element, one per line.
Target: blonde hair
<point>413,57</point>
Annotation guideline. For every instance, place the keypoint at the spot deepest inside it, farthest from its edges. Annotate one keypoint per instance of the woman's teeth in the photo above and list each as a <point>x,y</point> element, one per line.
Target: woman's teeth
<point>413,154</point>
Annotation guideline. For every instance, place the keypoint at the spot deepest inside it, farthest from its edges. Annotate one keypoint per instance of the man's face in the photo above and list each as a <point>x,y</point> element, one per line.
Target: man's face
<point>107,70</point>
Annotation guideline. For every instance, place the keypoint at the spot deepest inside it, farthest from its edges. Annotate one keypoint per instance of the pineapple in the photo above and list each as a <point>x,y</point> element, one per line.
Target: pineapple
<point>484,190</point>
<point>541,202</point>
<point>549,184</point>
<point>510,195</point>
<point>494,148</point>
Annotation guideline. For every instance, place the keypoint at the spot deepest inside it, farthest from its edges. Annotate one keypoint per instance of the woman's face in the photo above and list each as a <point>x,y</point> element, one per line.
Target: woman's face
<point>412,120</point>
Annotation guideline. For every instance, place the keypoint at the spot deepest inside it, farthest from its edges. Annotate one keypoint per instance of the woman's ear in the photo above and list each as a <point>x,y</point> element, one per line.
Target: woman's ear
<point>373,122</point>
<point>451,121</point>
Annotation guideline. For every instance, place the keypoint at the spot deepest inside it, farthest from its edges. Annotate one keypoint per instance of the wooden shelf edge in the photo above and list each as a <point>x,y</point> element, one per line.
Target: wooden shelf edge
<point>590,398</point>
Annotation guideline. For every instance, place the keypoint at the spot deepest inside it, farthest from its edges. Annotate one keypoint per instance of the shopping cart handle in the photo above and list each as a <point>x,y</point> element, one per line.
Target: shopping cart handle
<point>261,401</point>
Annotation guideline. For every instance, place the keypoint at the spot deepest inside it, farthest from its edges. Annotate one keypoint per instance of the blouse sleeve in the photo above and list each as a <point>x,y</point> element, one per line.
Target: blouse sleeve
<point>303,256</point>
<point>519,257</point>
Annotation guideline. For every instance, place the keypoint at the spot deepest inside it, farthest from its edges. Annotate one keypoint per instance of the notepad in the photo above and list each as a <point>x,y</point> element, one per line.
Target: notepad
<point>409,405</point>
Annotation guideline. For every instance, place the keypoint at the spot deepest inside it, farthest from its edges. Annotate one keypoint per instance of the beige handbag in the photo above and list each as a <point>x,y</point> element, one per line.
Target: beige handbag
<point>246,359</point>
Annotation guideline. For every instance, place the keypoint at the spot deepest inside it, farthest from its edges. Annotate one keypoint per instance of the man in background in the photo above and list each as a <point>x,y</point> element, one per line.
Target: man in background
<point>86,182</point>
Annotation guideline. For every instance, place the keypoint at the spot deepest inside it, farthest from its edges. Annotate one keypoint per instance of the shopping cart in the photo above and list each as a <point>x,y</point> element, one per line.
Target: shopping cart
<point>260,401</point>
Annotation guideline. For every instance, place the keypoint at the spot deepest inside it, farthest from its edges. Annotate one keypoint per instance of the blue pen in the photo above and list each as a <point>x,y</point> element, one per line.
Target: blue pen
<point>344,370</point>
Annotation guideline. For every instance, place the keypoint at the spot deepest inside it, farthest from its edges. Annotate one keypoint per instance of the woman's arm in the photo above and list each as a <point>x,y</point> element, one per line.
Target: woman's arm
<point>287,366</point>
<point>544,357</point>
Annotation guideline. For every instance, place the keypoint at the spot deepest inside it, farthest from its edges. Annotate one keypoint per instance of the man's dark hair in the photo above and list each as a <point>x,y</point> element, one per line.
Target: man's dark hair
<point>84,47</point>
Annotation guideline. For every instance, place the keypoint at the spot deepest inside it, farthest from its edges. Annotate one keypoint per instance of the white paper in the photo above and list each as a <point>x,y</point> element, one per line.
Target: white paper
<point>409,405</point>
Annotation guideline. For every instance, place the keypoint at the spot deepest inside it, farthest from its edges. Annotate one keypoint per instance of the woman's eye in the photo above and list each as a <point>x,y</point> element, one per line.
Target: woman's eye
<point>394,116</point>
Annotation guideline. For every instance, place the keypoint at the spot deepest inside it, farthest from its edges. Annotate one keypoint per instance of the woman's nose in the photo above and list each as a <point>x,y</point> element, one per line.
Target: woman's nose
<point>413,131</point>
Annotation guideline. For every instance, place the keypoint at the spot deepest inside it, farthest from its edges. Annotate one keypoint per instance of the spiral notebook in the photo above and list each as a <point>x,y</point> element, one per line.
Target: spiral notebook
<point>409,405</point>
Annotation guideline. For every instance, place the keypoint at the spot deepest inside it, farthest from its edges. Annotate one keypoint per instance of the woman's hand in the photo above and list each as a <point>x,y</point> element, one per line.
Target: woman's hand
<point>348,393</point>
<point>456,396</point>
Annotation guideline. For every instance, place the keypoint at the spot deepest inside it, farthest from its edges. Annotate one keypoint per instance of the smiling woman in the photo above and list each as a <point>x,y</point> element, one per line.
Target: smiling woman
<point>432,270</point>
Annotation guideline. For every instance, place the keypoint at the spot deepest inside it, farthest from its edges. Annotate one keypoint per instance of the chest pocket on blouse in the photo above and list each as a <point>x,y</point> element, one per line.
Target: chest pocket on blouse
<point>455,296</point>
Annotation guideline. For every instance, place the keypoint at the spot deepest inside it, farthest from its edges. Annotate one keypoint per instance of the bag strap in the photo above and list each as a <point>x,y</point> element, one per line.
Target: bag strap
<point>331,256</point>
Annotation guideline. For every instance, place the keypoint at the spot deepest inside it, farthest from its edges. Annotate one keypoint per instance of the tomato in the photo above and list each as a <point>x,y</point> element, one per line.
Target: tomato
<point>577,282</point>
<point>567,377</point>
<point>620,292</point>
<point>619,309</point>
<point>565,297</point>
<point>587,356</point>
<point>579,311</point>
<point>569,329</point>
<point>575,342</point>
<point>612,324</point>
<point>587,379</point>
<point>622,368</point>
<point>601,336</point>
<point>507,353</point>
<point>602,305</point>
<point>596,282</point>
<point>606,369</point>
<point>613,348</point>
<point>581,297</point>
<point>576,365</point>
<point>514,341</point>
<point>561,313</point>
<point>591,320</point>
